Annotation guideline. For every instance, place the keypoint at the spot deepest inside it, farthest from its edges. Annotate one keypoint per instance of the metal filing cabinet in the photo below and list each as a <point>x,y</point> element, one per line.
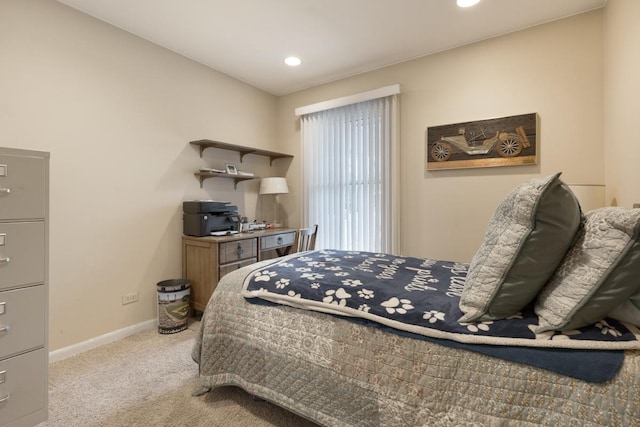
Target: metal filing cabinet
<point>24,204</point>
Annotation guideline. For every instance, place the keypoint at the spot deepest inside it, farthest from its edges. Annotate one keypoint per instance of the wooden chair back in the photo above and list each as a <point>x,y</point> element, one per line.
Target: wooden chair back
<point>306,239</point>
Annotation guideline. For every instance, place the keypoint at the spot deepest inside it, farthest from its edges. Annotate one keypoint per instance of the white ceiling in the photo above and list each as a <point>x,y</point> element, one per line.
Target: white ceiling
<point>249,39</point>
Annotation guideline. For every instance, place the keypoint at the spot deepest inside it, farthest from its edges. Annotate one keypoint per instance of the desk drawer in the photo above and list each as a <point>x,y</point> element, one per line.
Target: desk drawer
<point>226,269</point>
<point>22,319</point>
<point>22,187</point>
<point>277,240</point>
<point>21,253</point>
<point>23,382</point>
<point>238,250</point>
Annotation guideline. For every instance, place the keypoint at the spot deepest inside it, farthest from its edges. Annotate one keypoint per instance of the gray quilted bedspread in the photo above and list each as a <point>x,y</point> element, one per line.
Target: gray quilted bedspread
<point>340,373</point>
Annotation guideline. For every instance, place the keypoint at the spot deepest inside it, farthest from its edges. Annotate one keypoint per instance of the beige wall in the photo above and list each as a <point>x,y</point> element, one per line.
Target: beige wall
<point>117,113</point>
<point>555,70</point>
<point>622,100</point>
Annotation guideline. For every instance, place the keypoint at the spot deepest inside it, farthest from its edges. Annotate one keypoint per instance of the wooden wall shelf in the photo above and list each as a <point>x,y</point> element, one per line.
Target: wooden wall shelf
<point>236,178</point>
<point>208,143</point>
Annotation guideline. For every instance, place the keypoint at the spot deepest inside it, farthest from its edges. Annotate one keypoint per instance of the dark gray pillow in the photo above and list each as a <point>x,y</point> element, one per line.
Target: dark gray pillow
<point>526,239</point>
<point>600,272</point>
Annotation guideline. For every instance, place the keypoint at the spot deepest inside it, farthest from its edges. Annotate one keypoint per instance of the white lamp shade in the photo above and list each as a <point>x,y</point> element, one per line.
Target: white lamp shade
<point>274,185</point>
<point>590,196</point>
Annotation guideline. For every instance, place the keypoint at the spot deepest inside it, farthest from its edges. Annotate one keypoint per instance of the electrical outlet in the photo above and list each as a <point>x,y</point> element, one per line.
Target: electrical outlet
<point>129,298</point>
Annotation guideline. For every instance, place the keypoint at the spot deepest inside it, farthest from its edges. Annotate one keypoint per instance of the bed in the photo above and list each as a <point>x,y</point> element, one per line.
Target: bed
<point>323,362</point>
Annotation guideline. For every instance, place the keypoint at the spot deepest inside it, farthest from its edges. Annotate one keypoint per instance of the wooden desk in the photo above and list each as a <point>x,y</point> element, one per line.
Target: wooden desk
<point>205,260</point>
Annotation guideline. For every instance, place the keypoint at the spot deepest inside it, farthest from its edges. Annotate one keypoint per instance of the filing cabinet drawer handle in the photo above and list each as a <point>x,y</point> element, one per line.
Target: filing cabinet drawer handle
<point>4,329</point>
<point>240,250</point>
<point>5,190</point>
<point>5,260</point>
<point>4,398</point>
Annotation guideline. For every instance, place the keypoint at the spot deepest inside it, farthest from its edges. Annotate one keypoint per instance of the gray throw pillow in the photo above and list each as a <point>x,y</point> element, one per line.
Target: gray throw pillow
<point>600,272</point>
<point>628,311</point>
<point>526,239</point>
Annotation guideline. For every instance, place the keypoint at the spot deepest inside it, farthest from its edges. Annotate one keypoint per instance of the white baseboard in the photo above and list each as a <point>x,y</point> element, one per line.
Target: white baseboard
<point>92,343</point>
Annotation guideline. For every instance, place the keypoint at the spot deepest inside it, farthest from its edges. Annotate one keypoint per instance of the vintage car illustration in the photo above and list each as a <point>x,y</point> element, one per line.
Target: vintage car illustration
<point>506,144</point>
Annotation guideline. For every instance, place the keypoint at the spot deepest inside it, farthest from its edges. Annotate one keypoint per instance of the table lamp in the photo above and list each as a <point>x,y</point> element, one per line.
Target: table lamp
<point>275,186</point>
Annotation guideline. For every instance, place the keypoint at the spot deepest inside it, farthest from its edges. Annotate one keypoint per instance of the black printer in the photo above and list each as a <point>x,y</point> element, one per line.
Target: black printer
<point>204,217</point>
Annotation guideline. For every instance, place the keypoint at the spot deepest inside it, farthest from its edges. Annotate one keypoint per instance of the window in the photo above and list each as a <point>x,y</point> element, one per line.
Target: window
<point>350,175</point>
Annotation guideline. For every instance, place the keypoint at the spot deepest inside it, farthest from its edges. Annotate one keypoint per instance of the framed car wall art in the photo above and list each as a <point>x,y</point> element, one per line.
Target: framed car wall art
<point>505,141</point>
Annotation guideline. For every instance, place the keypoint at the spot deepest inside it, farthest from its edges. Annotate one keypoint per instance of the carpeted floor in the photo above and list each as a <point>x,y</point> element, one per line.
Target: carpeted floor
<point>148,379</point>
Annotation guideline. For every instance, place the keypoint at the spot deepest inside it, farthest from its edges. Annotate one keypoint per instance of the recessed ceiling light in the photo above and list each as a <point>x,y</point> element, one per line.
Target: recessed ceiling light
<point>292,61</point>
<point>467,3</point>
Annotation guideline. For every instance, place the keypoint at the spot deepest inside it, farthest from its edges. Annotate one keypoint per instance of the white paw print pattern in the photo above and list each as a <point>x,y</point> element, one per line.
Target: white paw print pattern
<point>364,307</point>
<point>316,264</point>
<point>315,285</point>
<point>293,294</point>
<point>312,276</point>
<point>553,335</point>
<point>282,283</point>
<point>352,282</point>
<point>395,305</point>
<point>338,297</point>
<point>365,293</point>
<point>303,269</point>
<point>264,276</point>
<point>606,328</point>
<point>433,316</point>
<point>342,274</point>
<point>334,268</point>
<point>477,327</point>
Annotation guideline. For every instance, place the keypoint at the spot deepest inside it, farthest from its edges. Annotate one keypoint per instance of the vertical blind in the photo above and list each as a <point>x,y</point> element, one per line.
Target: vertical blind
<point>349,175</point>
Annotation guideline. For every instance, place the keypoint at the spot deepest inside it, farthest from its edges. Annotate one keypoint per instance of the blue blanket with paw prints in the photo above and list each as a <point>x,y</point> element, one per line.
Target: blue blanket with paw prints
<point>415,296</point>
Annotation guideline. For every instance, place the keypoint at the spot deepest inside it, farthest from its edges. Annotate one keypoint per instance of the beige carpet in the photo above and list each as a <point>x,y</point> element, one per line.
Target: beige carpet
<point>148,379</point>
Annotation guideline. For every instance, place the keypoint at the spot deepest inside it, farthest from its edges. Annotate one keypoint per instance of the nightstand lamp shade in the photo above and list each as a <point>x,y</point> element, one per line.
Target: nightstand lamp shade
<point>274,185</point>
